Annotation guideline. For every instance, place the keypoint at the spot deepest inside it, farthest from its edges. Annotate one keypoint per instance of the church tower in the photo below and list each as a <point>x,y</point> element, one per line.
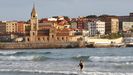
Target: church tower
<point>34,24</point>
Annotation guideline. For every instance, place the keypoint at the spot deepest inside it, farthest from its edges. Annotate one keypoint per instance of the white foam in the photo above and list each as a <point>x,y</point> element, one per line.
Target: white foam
<point>8,52</point>
<point>37,71</point>
<point>67,72</point>
<point>111,58</point>
<point>16,58</point>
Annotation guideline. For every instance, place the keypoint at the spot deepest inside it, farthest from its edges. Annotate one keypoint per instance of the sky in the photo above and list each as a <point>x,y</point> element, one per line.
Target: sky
<point>21,9</point>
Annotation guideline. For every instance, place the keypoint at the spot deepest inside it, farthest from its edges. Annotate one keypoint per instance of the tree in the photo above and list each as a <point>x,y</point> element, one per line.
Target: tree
<point>91,16</point>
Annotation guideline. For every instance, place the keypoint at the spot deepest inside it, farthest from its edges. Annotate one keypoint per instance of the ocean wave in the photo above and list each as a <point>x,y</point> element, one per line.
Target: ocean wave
<point>41,56</point>
<point>35,56</point>
<point>111,58</point>
<point>22,53</point>
<point>7,52</point>
<point>40,71</point>
<point>23,58</point>
<point>66,72</point>
<point>85,58</point>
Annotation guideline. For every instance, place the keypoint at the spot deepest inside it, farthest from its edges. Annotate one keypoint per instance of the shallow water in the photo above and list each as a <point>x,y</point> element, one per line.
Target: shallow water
<point>97,61</point>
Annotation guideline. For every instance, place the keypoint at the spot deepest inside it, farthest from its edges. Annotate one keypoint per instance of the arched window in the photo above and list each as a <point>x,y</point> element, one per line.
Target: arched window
<point>33,33</point>
<point>28,39</point>
<point>47,38</point>
<point>33,16</point>
<point>38,39</point>
<point>52,36</point>
<point>57,38</point>
<point>43,39</point>
<point>66,38</point>
<point>62,38</point>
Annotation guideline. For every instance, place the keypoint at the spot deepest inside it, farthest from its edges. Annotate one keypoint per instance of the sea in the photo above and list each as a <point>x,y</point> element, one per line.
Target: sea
<point>97,61</point>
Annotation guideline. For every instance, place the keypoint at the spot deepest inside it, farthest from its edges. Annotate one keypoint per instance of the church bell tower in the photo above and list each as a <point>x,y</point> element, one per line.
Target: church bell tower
<point>34,24</point>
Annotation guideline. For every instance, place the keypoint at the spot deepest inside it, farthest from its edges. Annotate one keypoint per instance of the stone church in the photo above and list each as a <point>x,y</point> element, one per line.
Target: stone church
<point>35,37</point>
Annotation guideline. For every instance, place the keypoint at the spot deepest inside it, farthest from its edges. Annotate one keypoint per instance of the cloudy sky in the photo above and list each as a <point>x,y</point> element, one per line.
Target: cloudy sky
<point>21,9</point>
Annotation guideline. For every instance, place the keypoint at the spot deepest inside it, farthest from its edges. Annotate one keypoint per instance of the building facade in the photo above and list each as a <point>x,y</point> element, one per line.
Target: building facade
<point>8,27</point>
<point>100,27</point>
<point>111,24</point>
<point>128,18</point>
<point>11,27</point>
<point>114,25</point>
<point>92,28</point>
<point>127,26</point>
<point>96,28</point>
<point>39,36</point>
<point>2,27</point>
<point>21,27</point>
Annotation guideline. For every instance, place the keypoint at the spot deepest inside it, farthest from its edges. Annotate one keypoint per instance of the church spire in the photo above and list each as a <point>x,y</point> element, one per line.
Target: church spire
<point>33,13</point>
<point>34,19</point>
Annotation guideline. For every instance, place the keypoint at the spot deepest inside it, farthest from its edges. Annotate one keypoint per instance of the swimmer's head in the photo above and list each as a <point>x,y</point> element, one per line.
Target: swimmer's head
<point>81,60</point>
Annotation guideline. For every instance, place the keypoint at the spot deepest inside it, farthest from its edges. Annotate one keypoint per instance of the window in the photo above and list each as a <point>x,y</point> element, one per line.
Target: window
<point>28,39</point>
<point>33,33</point>
<point>57,38</point>
<point>48,38</point>
<point>43,38</point>
<point>38,39</point>
<point>62,38</point>
<point>52,36</point>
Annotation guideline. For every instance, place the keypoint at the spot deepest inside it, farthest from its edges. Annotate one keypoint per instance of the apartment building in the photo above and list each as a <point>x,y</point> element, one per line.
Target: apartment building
<point>20,27</point>
<point>8,27</point>
<point>100,27</point>
<point>11,27</point>
<point>96,27</point>
<point>111,23</point>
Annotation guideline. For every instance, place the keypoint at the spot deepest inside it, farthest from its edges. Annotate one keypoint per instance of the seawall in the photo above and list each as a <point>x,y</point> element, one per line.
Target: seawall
<point>24,45</point>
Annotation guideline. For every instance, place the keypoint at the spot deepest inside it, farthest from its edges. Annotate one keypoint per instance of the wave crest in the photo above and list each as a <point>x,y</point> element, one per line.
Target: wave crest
<point>81,57</point>
<point>23,58</point>
<point>111,58</point>
<point>36,56</point>
<point>22,53</point>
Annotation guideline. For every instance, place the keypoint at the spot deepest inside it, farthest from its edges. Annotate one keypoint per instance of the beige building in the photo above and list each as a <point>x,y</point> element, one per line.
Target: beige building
<point>114,25</point>
<point>11,26</point>
<point>8,27</point>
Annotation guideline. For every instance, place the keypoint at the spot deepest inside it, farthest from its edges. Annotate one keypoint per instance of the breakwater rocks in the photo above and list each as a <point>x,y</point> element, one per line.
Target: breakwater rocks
<point>24,45</point>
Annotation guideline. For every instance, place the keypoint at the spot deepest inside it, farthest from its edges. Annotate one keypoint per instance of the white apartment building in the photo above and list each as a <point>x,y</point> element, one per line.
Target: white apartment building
<point>100,26</point>
<point>92,28</point>
<point>97,27</point>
